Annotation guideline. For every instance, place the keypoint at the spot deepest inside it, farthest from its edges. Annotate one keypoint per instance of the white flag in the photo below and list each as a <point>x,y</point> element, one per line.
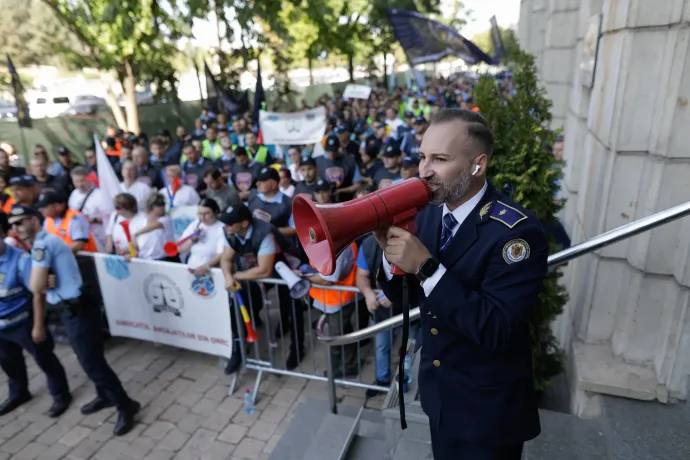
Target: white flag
<point>107,179</point>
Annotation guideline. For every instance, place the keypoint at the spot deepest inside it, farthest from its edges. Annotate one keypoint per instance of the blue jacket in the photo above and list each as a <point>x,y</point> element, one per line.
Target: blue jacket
<point>475,374</point>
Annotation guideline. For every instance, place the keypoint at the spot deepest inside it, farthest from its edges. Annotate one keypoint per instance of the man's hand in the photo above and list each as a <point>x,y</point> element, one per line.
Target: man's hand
<point>381,237</point>
<point>230,283</point>
<point>404,250</point>
<point>38,334</point>
<point>385,302</point>
<point>201,271</point>
<point>372,303</point>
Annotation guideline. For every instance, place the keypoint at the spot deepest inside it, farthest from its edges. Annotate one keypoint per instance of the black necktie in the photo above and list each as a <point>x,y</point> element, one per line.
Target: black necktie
<point>449,223</point>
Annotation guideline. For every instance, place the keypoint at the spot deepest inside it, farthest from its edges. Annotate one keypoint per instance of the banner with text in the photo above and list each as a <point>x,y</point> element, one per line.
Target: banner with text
<point>165,303</point>
<point>307,127</point>
<point>357,91</point>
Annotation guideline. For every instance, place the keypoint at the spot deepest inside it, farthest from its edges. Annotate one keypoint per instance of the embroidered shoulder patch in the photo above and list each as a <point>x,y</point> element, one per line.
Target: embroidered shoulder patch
<point>515,251</point>
<point>507,215</point>
<point>39,255</point>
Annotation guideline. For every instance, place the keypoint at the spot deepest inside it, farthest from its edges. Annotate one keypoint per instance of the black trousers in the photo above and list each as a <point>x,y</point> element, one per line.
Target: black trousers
<point>82,323</point>
<point>16,338</point>
<point>445,448</point>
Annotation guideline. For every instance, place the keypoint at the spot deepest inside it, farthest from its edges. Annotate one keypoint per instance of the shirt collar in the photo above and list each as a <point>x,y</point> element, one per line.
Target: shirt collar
<point>247,235</point>
<point>464,210</point>
<point>278,198</point>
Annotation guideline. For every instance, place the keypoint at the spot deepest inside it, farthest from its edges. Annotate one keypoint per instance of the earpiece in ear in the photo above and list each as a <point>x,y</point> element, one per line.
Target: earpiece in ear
<point>476,170</point>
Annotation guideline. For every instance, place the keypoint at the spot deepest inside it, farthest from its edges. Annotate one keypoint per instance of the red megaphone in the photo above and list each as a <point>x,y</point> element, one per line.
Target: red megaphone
<point>171,248</point>
<point>325,230</point>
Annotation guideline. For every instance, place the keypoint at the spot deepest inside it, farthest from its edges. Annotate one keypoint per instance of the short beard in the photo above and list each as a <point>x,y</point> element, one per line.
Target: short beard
<point>453,192</point>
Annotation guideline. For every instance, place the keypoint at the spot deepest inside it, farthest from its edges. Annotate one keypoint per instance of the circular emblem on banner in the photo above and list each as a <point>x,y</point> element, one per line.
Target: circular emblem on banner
<point>163,295</point>
<point>312,235</point>
<point>515,251</point>
<point>203,286</point>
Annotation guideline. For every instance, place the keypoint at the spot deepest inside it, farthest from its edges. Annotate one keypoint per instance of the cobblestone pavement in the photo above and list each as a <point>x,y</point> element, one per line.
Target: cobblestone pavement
<point>186,411</point>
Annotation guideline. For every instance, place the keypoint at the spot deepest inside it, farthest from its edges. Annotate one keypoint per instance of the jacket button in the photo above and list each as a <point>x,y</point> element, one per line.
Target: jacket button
<point>434,331</point>
<point>435,317</point>
<point>437,363</point>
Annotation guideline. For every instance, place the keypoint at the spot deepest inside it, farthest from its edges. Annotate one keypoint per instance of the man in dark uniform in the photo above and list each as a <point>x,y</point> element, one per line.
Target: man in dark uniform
<point>80,317</point>
<point>15,333</point>
<point>478,263</point>
<point>252,248</point>
<point>194,168</point>
<point>147,172</point>
<point>339,169</point>
<point>308,170</point>
<point>269,204</point>
<point>390,172</point>
<point>243,172</point>
<point>413,139</point>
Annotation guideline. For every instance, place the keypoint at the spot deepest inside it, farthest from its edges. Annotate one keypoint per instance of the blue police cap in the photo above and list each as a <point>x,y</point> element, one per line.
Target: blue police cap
<point>19,212</point>
<point>25,180</point>
<point>410,161</point>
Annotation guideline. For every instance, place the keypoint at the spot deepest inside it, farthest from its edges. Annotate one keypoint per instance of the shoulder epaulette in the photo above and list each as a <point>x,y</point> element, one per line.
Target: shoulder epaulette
<point>506,215</point>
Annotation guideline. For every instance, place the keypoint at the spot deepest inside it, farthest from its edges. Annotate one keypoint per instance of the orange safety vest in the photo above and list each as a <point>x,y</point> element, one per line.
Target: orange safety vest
<point>62,231</point>
<point>7,207</point>
<point>332,298</point>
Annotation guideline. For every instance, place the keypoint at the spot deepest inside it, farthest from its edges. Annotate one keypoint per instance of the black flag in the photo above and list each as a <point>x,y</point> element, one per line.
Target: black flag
<point>259,96</point>
<point>497,41</point>
<point>23,116</point>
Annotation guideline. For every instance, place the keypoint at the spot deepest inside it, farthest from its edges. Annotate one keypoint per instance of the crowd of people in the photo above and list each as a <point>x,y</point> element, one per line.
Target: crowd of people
<point>243,191</point>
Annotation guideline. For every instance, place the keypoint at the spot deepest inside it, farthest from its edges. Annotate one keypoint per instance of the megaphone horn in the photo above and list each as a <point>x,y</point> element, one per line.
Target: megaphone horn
<point>299,287</point>
<point>325,230</point>
<point>171,248</point>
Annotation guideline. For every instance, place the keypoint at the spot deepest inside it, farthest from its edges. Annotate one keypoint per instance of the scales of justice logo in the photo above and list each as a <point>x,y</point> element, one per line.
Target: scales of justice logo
<point>163,294</point>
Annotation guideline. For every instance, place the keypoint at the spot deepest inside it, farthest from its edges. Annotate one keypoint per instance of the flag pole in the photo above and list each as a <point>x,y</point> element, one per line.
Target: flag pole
<point>25,151</point>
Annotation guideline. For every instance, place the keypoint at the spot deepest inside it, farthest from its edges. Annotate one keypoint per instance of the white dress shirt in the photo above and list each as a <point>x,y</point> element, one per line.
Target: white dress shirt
<point>185,196</point>
<point>460,214</point>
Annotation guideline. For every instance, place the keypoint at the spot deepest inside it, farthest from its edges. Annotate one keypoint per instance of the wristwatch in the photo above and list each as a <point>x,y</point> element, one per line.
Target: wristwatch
<point>427,269</point>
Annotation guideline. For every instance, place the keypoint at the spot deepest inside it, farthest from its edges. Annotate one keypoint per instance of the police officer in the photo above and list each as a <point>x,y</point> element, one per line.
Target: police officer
<point>194,167</point>
<point>243,172</point>
<point>252,248</point>
<point>68,224</point>
<point>80,319</point>
<point>339,169</point>
<point>269,204</point>
<point>390,172</point>
<point>308,170</point>
<point>478,263</point>
<point>15,333</point>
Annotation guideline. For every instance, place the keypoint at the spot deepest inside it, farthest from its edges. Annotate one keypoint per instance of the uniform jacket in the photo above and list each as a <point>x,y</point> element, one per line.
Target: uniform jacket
<point>475,374</point>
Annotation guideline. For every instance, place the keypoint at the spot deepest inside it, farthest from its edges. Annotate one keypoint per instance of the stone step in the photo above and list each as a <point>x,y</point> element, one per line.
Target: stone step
<point>332,439</point>
<point>410,449</point>
<point>366,448</point>
<point>567,437</point>
<point>315,433</point>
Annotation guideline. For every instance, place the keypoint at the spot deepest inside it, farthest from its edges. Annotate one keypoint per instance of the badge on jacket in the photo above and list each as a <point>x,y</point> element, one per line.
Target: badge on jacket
<point>515,251</point>
<point>39,255</point>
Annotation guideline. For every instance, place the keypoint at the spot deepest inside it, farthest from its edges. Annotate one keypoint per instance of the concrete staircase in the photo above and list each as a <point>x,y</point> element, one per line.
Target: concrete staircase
<point>627,430</point>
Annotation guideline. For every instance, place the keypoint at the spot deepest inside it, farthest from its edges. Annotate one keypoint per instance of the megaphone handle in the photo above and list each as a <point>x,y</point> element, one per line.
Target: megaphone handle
<point>409,224</point>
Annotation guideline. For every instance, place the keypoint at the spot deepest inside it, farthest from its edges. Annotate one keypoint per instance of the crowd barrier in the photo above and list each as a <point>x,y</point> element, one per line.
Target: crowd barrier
<point>163,302</point>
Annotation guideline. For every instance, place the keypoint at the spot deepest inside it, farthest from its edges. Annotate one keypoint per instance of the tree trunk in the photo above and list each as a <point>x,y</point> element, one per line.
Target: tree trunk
<point>131,99</point>
<point>351,66</point>
<point>311,70</point>
<point>112,101</point>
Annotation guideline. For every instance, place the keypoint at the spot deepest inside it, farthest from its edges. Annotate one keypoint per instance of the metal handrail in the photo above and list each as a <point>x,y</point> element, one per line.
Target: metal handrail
<point>559,258</point>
